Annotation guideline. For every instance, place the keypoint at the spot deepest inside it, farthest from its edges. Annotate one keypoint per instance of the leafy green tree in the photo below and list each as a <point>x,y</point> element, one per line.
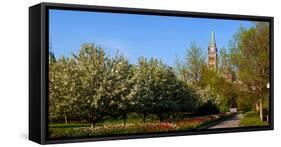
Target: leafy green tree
<point>226,68</point>
<point>250,54</point>
<point>142,88</point>
<point>218,87</point>
<point>194,62</point>
<point>195,72</point>
<point>163,86</point>
<point>52,57</point>
<point>185,97</point>
<point>225,85</point>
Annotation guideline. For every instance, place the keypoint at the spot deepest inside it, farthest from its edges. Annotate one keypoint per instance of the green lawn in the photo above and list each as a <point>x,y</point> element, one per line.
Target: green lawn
<point>106,122</point>
<point>252,119</point>
<point>70,125</point>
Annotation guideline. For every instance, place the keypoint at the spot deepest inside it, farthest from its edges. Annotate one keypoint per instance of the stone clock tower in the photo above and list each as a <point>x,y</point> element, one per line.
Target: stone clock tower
<point>212,53</point>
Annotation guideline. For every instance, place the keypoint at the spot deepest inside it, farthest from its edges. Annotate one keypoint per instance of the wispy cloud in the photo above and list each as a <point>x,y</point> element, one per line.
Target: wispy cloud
<point>113,46</point>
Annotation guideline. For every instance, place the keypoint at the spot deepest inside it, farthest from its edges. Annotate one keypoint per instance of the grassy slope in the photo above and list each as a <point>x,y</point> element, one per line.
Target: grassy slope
<point>252,119</point>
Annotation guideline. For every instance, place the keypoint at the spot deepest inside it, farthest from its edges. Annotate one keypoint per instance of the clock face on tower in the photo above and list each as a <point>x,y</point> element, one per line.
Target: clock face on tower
<point>212,49</point>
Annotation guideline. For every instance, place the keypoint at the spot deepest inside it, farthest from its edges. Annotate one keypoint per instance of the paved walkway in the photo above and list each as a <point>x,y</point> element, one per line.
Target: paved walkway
<point>229,123</point>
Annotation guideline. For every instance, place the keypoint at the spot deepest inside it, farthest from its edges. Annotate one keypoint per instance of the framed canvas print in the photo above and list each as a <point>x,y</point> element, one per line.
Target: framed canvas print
<point>100,73</point>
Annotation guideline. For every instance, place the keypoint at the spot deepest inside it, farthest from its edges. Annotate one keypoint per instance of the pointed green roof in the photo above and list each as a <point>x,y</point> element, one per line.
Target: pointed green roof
<point>213,41</point>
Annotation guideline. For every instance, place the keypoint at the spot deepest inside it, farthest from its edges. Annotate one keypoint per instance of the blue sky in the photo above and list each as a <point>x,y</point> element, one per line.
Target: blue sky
<point>161,37</point>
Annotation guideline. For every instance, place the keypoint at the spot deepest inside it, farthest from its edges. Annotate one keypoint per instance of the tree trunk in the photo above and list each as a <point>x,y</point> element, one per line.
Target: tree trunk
<point>144,117</point>
<point>257,106</point>
<point>161,118</point>
<point>65,119</point>
<point>261,109</point>
<point>125,117</point>
<point>93,119</point>
<point>93,124</point>
<point>125,122</point>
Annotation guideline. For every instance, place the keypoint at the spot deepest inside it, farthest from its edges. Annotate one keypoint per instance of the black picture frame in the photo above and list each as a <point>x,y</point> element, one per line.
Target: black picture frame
<point>38,68</point>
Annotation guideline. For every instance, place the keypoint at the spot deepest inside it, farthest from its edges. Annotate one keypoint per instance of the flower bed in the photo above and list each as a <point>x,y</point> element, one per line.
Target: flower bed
<point>108,130</point>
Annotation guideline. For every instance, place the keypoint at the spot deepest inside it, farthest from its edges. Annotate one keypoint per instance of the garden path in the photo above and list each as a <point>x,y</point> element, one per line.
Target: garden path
<point>229,123</point>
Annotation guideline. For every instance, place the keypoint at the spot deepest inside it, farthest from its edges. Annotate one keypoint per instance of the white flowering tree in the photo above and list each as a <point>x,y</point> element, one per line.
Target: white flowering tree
<point>118,84</point>
<point>63,83</point>
<point>92,100</point>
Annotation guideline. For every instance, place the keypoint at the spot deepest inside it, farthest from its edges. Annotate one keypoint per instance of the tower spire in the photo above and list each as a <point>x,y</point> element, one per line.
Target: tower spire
<point>213,41</point>
<point>212,52</point>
